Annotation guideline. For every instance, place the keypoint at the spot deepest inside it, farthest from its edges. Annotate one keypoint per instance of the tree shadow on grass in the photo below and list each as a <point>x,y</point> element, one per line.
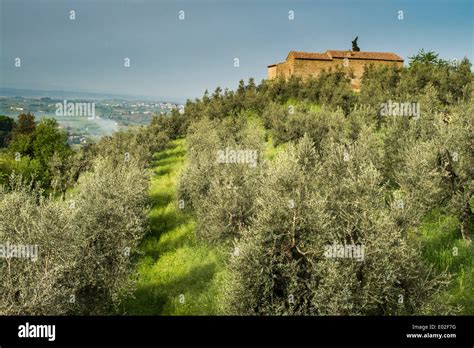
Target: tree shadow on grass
<point>159,226</point>
<point>169,156</point>
<point>165,219</point>
<point>155,247</point>
<point>163,170</point>
<point>164,160</point>
<point>161,199</point>
<point>156,299</point>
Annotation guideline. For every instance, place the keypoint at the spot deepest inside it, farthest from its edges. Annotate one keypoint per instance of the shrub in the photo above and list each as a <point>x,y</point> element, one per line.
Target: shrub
<point>84,262</point>
<point>36,287</point>
<point>86,238</point>
<point>281,266</point>
<point>110,215</point>
<point>221,194</point>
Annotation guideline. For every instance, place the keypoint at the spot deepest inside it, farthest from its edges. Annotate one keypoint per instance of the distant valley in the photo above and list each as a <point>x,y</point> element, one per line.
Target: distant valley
<point>110,114</point>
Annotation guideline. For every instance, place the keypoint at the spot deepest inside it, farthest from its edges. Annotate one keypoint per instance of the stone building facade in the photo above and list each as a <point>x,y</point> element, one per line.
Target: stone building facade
<point>306,64</point>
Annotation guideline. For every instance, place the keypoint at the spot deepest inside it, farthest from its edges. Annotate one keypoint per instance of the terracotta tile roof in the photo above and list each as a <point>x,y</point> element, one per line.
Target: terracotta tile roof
<point>309,55</point>
<point>364,55</point>
<point>330,54</point>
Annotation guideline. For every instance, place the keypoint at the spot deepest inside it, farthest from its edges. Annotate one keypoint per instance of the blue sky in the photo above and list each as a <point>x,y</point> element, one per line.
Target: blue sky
<point>181,58</point>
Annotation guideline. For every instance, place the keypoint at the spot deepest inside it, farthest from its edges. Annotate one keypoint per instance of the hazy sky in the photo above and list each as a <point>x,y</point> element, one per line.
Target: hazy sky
<point>181,58</point>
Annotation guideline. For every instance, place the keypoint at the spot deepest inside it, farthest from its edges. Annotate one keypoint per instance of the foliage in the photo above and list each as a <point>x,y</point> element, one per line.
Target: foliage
<point>32,147</point>
<point>82,242</point>
<point>25,124</point>
<point>6,127</point>
<point>282,268</point>
<point>341,173</point>
<point>221,194</point>
<point>426,58</point>
<point>88,237</point>
<point>27,287</point>
<point>355,176</point>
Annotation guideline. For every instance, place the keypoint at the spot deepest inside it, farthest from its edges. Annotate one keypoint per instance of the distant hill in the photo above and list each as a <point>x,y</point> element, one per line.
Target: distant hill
<point>33,93</point>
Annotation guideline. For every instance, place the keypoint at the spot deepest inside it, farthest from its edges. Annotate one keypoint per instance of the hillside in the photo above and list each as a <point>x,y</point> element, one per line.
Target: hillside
<point>289,197</point>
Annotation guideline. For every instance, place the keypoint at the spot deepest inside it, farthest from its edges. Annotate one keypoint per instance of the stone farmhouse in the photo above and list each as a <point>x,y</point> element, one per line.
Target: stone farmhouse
<point>306,64</point>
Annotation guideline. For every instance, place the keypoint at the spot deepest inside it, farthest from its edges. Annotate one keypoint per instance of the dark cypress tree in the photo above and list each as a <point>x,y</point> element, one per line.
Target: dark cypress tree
<point>355,47</point>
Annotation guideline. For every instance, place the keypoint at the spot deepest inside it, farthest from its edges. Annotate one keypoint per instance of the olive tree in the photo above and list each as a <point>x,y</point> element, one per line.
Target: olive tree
<point>84,262</point>
<point>307,209</point>
<point>221,176</point>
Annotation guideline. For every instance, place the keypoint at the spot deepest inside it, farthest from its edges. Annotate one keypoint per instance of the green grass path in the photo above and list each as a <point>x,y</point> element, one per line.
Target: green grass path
<point>446,250</point>
<point>177,274</point>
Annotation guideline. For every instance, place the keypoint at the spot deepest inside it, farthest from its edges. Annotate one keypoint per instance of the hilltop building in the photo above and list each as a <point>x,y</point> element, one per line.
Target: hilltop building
<point>306,64</point>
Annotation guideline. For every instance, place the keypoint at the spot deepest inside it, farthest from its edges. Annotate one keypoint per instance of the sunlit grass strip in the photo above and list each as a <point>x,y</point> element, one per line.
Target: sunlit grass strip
<point>445,248</point>
<point>177,274</point>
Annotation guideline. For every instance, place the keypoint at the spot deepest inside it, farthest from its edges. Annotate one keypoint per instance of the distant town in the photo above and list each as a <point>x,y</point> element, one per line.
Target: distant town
<point>110,115</point>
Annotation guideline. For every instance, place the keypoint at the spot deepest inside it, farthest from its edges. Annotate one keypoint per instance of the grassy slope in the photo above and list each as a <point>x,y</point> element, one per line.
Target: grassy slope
<point>173,263</point>
<point>445,249</point>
